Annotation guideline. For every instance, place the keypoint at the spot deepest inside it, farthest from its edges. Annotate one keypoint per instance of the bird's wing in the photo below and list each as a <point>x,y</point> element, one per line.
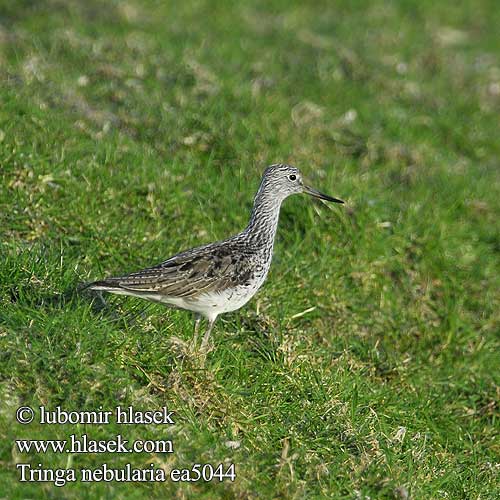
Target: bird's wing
<point>188,274</point>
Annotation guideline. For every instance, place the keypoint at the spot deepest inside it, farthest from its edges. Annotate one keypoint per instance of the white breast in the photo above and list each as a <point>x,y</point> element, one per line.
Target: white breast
<point>212,304</point>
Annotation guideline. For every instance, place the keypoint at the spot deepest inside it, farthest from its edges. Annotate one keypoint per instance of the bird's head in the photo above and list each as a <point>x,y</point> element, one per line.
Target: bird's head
<point>281,181</point>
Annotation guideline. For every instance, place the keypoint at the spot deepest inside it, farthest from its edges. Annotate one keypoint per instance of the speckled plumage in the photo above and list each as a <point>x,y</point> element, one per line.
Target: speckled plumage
<point>222,276</point>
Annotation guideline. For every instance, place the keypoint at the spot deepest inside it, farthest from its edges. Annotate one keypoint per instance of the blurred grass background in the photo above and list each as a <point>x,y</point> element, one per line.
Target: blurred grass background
<point>367,366</point>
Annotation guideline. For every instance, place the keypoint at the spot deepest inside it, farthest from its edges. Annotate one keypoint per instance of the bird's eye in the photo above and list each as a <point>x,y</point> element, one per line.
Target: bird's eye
<point>292,177</point>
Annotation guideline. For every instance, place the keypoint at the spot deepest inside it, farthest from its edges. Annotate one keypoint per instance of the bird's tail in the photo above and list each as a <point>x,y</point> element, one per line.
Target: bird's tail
<point>107,285</point>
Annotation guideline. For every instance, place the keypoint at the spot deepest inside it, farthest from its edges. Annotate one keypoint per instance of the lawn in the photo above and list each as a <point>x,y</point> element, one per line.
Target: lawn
<point>367,366</point>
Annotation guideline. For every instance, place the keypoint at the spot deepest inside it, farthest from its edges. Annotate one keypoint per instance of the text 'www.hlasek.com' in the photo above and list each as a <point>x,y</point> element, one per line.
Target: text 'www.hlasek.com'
<point>80,443</point>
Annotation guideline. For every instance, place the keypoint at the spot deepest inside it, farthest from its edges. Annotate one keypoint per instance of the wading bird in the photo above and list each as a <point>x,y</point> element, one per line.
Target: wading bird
<point>219,277</point>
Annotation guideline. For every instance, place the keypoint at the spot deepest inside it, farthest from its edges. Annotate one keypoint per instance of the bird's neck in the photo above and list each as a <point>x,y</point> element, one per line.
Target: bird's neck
<point>264,219</point>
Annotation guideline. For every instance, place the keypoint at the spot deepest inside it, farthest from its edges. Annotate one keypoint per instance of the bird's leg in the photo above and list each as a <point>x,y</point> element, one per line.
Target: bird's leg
<point>204,342</point>
<point>197,322</point>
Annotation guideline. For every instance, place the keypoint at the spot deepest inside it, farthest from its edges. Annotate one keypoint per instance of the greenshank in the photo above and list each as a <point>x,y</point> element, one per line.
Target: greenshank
<point>219,277</point>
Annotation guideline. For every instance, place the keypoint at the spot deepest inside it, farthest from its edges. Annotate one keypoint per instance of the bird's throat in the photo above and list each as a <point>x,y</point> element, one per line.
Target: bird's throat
<point>264,219</point>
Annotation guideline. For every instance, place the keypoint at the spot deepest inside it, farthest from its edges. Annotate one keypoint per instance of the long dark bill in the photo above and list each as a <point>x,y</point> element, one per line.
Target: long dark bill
<point>321,196</point>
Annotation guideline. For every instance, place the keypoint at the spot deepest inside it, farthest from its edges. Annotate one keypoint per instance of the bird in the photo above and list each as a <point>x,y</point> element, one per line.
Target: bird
<point>219,277</point>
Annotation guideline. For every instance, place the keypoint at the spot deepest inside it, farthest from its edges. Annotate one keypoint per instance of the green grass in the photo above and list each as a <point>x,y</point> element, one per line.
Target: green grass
<point>132,130</point>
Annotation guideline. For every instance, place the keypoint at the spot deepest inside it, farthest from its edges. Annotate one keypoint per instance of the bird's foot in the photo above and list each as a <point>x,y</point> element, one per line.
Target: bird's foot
<point>180,347</point>
<point>189,350</point>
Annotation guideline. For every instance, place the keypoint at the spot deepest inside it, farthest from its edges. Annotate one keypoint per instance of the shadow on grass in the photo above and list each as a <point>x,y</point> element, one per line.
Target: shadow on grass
<point>72,298</point>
